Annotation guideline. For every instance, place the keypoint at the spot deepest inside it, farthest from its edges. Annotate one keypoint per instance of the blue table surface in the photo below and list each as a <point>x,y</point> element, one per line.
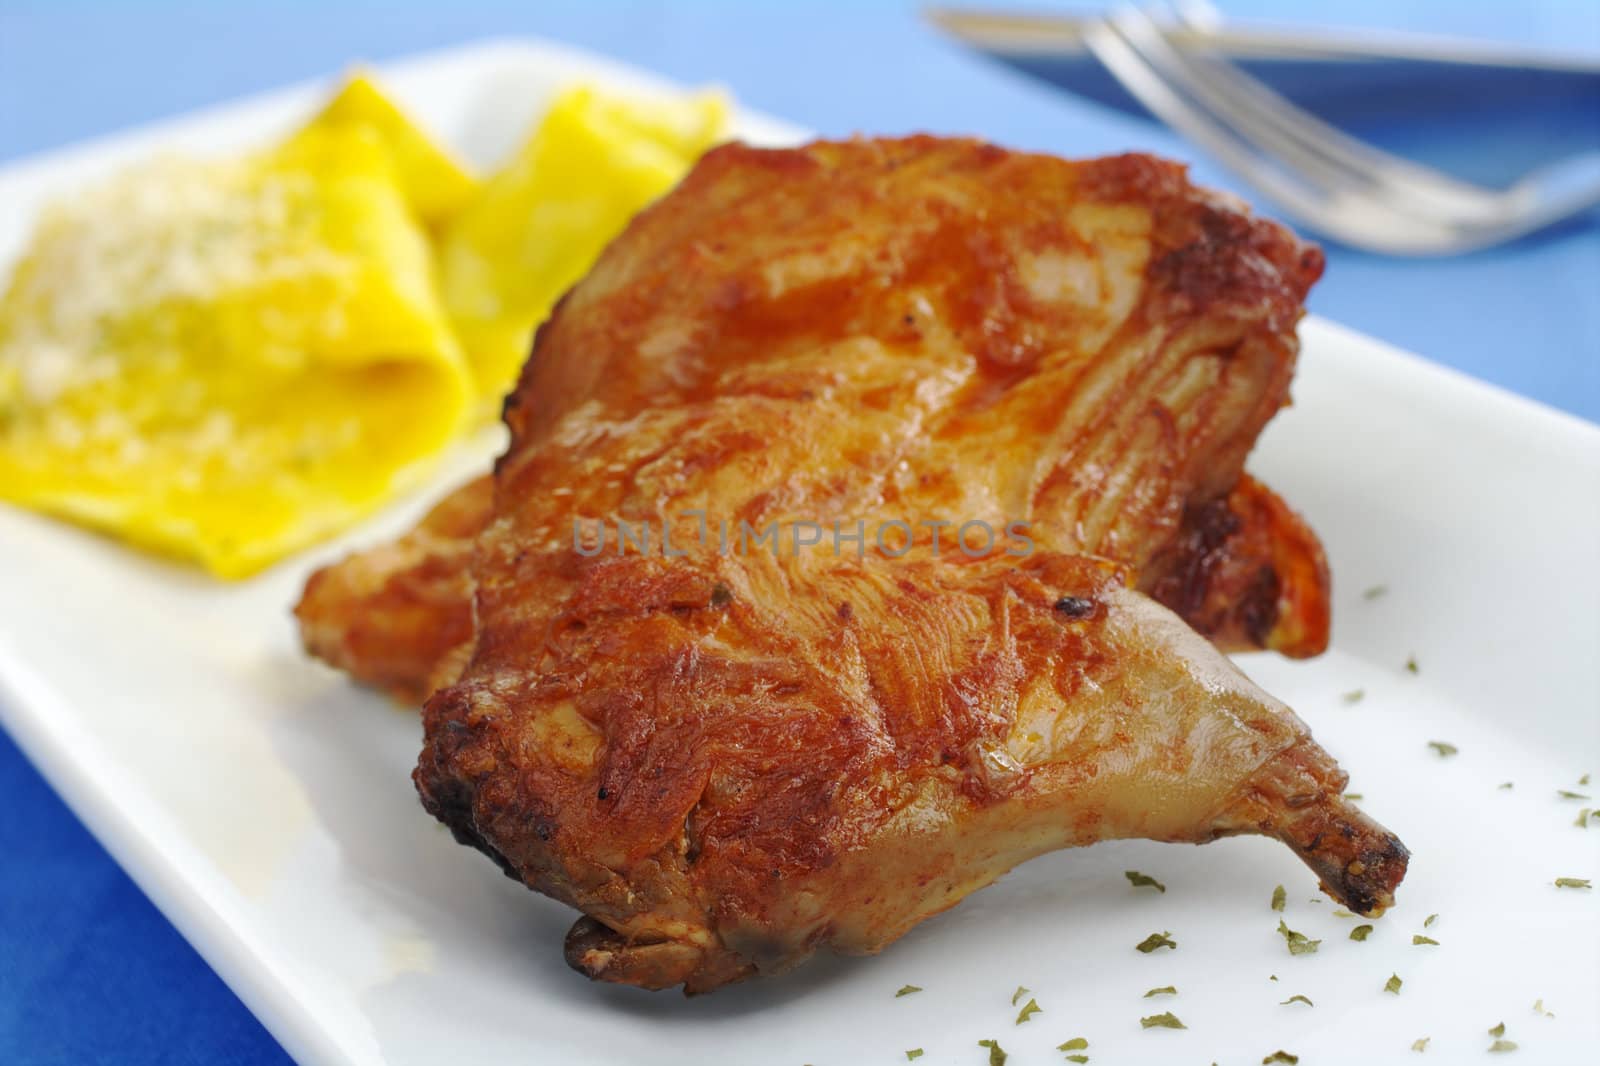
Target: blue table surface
<point>89,970</point>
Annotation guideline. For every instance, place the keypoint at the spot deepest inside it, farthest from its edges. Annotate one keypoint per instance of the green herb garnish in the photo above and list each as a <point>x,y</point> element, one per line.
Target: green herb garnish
<point>1375,592</point>
<point>1077,1043</point>
<point>1584,780</point>
<point>1354,797</point>
<point>1393,984</point>
<point>1297,999</point>
<point>1566,795</point>
<point>1360,932</point>
<point>997,1054</point>
<point>1505,785</point>
<point>1139,880</point>
<point>1503,1045</point>
<point>1538,1008</point>
<point>1355,695</point>
<point>1298,943</point>
<point>1583,819</point>
<point>1156,940</point>
<point>1445,750</point>
<point>1499,1030</point>
<point>1420,1045</point>
<point>1029,1009</point>
<point>1166,990</point>
<point>906,990</point>
<point>1280,1056</point>
<point>1429,920</point>
<point>1077,1058</point>
<point>1166,1020</point>
<point>1279,896</point>
<point>1573,882</point>
<point>1342,913</point>
<point>1418,938</point>
<point>914,1053</point>
<point>1018,994</point>
<point>1411,664</point>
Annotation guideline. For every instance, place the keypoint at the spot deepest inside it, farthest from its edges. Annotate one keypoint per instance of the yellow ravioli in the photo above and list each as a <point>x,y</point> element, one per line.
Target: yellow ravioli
<point>227,361</point>
<point>434,183</point>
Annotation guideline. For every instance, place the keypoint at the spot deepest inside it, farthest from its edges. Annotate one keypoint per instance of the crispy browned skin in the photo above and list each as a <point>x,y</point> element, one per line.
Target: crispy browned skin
<point>1246,571</point>
<point>391,616</point>
<point>729,761</point>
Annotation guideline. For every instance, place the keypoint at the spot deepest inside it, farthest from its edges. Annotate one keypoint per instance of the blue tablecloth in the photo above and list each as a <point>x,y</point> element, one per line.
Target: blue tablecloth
<point>89,971</point>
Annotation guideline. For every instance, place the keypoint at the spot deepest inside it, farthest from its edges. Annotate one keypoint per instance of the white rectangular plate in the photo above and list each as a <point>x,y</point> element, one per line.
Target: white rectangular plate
<point>264,803</point>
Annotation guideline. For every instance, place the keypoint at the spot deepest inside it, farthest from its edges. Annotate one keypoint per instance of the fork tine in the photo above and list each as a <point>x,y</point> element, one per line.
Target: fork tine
<point>1354,195</point>
<point>1334,207</point>
<point>1426,189</point>
<point>1279,133</point>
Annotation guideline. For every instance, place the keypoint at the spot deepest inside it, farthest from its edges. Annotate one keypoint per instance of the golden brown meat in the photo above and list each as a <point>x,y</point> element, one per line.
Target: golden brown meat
<point>393,616</point>
<point>1244,570</point>
<point>732,757</point>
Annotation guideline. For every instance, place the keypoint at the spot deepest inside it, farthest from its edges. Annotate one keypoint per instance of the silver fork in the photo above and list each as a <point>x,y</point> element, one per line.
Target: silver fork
<point>1344,188</point>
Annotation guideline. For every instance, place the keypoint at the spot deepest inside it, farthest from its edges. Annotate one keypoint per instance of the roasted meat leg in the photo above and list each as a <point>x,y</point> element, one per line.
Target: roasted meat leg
<point>724,781</point>
<point>731,756</point>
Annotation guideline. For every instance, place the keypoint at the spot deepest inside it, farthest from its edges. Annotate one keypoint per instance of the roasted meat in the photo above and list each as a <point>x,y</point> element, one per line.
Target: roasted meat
<point>398,615</point>
<point>762,727</point>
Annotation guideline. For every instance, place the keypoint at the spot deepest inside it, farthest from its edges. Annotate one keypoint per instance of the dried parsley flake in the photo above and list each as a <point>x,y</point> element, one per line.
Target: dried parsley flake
<point>1355,695</point>
<point>914,1053</point>
<point>1360,932</point>
<point>997,1054</point>
<point>1420,1045</point>
<point>1503,1045</point>
<point>1280,1056</point>
<point>1444,749</point>
<point>1573,882</point>
<point>1165,1020</point>
<point>1297,999</point>
<point>1139,880</point>
<point>1018,994</point>
<point>1393,984</point>
<point>1156,940</point>
<point>1298,943</point>
<point>1077,1043</point>
<point>906,990</point>
<point>1418,938</point>
<point>1029,1010</point>
<point>1279,896</point>
<point>1165,990</point>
